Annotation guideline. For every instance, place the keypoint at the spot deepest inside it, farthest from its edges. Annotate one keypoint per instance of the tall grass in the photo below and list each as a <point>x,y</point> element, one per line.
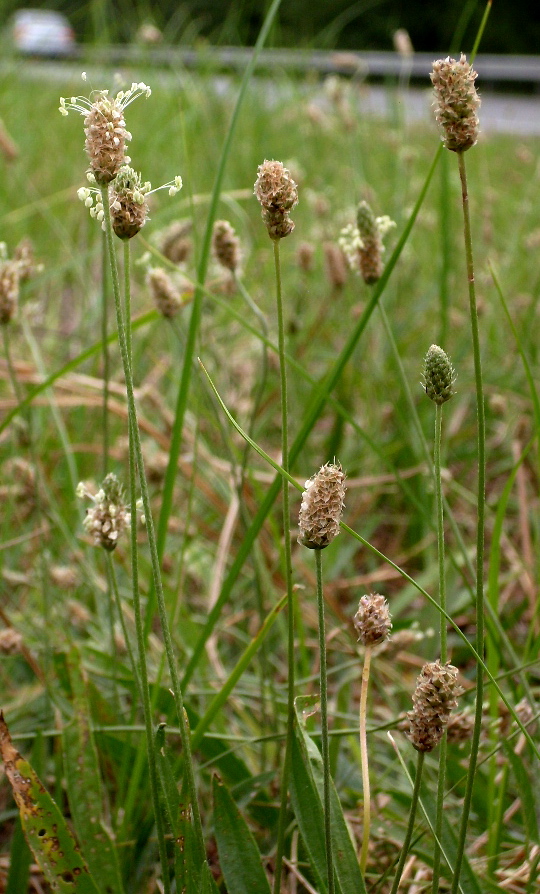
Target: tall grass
<point>70,700</point>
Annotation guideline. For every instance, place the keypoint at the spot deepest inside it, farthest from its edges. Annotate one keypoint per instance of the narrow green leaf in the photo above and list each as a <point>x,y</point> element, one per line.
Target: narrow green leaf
<point>468,883</point>
<point>307,798</point>
<point>180,821</point>
<point>45,828</point>
<point>84,787</point>
<point>19,862</point>
<point>239,855</point>
<point>526,792</point>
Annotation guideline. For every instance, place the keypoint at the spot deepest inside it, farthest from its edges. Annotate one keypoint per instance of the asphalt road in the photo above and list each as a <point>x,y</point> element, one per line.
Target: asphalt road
<point>499,112</point>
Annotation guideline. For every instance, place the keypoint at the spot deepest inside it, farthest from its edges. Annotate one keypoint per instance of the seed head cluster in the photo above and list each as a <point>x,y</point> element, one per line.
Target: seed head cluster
<point>129,208</point>
<point>164,293</point>
<point>105,128</point>
<point>439,375</point>
<point>372,620</point>
<point>9,290</point>
<point>278,195</point>
<point>322,507</point>
<point>363,244</point>
<point>108,518</point>
<point>434,699</point>
<point>226,245</point>
<point>456,102</point>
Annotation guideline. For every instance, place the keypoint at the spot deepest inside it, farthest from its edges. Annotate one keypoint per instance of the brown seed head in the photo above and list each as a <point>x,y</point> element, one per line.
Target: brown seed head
<point>9,290</point>
<point>106,138</point>
<point>456,102</point>
<point>226,245</point>
<point>165,295</point>
<point>304,256</point>
<point>175,242</point>
<point>129,209</point>
<point>434,699</point>
<point>371,250</point>
<point>10,641</point>
<point>372,620</point>
<point>322,507</point>
<point>277,193</point>
<point>335,265</point>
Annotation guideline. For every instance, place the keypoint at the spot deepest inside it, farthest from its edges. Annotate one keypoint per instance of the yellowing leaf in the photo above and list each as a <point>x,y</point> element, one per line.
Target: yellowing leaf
<point>45,828</point>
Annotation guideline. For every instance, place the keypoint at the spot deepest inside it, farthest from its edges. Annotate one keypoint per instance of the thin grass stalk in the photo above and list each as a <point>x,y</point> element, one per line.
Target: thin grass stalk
<point>288,575</point>
<point>131,655</point>
<point>410,826</point>
<point>193,330</point>
<point>366,810</point>
<point>441,781</point>
<point>105,357</point>
<point>136,457</point>
<point>383,558</point>
<point>479,601</point>
<point>324,725</point>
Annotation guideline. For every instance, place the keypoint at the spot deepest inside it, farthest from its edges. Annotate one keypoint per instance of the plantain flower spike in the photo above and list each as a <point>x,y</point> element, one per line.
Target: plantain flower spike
<point>372,620</point>
<point>164,292</point>
<point>9,290</point>
<point>322,507</point>
<point>105,128</point>
<point>434,699</point>
<point>226,245</point>
<point>456,102</point>
<point>108,518</point>
<point>439,375</point>
<point>278,194</point>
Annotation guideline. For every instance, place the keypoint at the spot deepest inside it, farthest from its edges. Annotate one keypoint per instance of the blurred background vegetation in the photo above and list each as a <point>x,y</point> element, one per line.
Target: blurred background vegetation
<point>325,24</point>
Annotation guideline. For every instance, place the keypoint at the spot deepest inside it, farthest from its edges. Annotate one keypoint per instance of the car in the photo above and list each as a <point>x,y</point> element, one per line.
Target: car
<point>42,32</point>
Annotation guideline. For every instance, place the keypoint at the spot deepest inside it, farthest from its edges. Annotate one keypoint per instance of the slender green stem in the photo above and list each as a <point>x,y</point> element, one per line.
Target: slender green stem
<point>410,826</point>
<point>142,668</point>
<point>443,637</point>
<point>324,725</point>
<point>136,447</point>
<point>132,659</point>
<point>481,422</point>
<point>105,357</point>
<point>288,576</point>
<point>364,759</point>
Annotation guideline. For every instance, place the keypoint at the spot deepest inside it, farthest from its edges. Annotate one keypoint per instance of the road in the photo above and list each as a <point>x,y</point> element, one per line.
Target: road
<point>500,112</point>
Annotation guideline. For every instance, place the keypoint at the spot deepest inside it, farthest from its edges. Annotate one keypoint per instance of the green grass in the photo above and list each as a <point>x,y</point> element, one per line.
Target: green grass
<point>368,425</point>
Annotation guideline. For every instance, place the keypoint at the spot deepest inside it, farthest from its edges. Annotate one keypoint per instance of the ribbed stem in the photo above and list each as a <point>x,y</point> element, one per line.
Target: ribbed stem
<point>364,759</point>
<point>410,826</point>
<point>137,457</point>
<point>288,575</point>
<point>105,356</point>
<point>443,637</point>
<point>324,725</point>
<point>481,422</point>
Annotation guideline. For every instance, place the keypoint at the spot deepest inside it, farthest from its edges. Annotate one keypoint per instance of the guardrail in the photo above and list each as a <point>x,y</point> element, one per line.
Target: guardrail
<point>491,68</point>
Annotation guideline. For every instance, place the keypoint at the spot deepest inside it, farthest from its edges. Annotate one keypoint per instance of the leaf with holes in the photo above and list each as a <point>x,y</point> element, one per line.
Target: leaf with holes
<point>45,828</point>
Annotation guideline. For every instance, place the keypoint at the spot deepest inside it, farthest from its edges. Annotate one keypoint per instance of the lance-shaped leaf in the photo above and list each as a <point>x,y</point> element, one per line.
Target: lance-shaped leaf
<point>84,787</point>
<point>45,828</point>
<point>239,855</point>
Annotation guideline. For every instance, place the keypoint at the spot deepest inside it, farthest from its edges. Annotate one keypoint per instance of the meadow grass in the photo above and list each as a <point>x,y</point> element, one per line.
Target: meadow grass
<point>68,678</point>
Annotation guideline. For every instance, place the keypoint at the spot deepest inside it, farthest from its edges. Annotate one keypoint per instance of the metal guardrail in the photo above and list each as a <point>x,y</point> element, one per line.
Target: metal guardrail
<point>491,68</point>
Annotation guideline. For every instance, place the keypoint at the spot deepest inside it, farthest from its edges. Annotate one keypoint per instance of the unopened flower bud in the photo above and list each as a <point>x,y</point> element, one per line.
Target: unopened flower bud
<point>456,102</point>
<point>9,290</point>
<point>372,620</point>
<point>128,205</point>
<point>439,375</point>
<point>322,507</point>
<point>370,250</point>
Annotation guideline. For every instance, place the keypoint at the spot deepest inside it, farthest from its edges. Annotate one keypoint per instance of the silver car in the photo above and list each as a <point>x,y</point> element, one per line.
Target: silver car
<point>42,32</point>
